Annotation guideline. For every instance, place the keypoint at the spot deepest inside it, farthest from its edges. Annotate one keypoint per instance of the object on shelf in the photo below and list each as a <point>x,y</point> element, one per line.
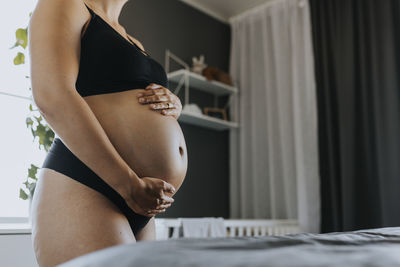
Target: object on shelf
<point>192,113</point>
<point>219,113</point>
<point>214,73</point>
<point>192,108</point>
<point>198,65</point>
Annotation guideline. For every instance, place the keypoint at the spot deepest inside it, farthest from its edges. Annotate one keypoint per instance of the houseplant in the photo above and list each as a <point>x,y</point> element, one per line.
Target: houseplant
<point>41,132</point>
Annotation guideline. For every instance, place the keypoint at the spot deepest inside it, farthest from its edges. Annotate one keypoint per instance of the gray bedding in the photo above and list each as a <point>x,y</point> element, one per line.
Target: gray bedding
<point>377,247</point>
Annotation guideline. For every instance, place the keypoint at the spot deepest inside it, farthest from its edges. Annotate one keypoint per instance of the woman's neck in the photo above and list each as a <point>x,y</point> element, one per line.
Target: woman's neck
<point>111,9</point>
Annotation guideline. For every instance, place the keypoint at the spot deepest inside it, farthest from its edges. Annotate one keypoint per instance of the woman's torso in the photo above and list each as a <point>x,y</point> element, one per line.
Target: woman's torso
<point>112,72</point>
<point>152,144</point>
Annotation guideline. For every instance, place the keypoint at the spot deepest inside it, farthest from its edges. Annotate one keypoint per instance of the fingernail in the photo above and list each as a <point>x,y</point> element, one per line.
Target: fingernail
<point>153,106</point>
<point>141,99</point>
<point>155,86</point>
<point>140,94</point>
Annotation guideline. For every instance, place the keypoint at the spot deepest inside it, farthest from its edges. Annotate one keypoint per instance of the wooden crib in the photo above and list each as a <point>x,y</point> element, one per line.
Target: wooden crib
<point>170,228</point>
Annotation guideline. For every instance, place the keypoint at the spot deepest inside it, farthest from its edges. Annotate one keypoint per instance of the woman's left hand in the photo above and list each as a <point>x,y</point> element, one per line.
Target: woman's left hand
<point>160,98</point>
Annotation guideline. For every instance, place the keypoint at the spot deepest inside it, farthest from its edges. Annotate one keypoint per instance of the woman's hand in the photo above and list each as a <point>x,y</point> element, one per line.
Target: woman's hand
<point>148,196</point>
<point>160,98</point>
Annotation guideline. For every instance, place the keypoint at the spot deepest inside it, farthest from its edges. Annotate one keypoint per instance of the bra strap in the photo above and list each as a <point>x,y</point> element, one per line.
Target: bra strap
<point>136,45</point>
<point>90,10</point>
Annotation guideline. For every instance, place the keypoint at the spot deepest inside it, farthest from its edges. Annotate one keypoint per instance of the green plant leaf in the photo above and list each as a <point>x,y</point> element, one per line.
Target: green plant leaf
<point>34,167</point>
<point>29,122</point>
<point>49,138</point>
<point>22,194</point>
<point>19,59</point>
<point>32,171</point>
<point>22,37</point>
<point>38,119</point>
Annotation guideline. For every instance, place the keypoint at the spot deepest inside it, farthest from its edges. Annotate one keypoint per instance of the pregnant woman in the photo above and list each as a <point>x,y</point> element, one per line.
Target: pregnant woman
<point>119,154</point>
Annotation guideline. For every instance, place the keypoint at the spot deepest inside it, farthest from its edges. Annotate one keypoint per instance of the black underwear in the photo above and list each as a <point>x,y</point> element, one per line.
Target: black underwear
<point>61,159</point>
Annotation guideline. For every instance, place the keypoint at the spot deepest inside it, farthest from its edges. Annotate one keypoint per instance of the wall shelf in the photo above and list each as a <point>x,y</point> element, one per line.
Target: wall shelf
<point>195,81</point>
<point>200,82</point>
<point>206,121</point>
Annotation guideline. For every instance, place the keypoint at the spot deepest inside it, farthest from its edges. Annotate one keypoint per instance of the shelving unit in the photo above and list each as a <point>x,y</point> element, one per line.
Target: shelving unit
<point>207,121</point>
<point>201,83</point>
<point>194,81</point>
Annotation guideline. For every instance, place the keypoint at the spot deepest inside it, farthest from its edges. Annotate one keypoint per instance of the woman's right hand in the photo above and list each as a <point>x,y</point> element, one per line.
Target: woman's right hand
<point>148,196</point>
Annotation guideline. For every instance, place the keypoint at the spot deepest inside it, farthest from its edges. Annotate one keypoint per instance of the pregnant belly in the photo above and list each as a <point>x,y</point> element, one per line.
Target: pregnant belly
<point>152,144</point>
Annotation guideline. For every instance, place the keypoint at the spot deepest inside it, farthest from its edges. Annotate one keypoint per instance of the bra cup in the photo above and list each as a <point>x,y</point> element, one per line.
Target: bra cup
<point>159,73</point>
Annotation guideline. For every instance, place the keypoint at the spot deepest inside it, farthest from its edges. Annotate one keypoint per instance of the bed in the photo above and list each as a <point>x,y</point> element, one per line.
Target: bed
<point>374,247</point>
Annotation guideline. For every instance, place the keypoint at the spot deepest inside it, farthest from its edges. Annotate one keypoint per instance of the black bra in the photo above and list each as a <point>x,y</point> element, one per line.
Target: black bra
<point>109,63</point>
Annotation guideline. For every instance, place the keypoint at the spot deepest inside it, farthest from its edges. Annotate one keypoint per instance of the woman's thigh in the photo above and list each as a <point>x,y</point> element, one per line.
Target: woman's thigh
<point>148,233</point>
<point>70,219</point>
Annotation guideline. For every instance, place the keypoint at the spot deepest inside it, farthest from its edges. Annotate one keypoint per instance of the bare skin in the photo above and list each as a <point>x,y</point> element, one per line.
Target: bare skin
<point>136,148</point>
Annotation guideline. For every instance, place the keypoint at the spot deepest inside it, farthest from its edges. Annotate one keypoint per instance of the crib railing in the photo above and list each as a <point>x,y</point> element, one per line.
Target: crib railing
<point>242,227</point>
<point>170,228</point>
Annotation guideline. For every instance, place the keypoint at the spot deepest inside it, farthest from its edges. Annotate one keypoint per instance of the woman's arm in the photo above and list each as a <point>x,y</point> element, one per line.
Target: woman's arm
<point>54,42</point>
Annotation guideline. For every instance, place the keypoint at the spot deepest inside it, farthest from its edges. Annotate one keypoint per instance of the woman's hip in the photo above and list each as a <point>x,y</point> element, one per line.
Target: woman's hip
<point>69,172</point>
<point>70,219</point>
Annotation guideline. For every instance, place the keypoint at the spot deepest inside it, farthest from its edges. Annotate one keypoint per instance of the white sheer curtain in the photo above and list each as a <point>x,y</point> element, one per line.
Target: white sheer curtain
<point>274,155</point>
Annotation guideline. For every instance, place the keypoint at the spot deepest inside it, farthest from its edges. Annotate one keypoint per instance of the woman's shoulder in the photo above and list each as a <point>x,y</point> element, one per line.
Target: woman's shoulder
<point>59,12</point>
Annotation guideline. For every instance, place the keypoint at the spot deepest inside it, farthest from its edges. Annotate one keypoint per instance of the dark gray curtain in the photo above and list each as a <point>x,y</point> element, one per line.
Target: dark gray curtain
<point>357,50</point>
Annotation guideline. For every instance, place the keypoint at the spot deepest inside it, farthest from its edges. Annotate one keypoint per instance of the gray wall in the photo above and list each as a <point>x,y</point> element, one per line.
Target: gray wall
<point>187,32</point>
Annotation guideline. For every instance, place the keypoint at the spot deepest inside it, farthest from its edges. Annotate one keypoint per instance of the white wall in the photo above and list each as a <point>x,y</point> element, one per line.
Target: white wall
<point>16,251</point>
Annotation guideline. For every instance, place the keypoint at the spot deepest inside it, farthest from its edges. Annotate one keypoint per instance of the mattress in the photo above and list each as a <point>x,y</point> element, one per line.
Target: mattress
<point>375,247</point>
